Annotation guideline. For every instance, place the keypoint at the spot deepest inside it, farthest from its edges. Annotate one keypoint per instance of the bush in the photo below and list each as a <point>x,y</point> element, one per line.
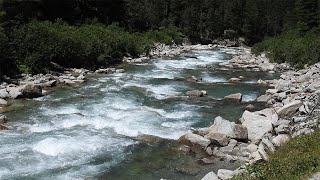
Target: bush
<point>36,44</point>
<point>292,47</point>
<point>298,159</point>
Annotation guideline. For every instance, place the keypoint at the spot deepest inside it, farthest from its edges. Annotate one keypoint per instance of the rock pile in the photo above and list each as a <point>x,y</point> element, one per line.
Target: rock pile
<point>293,110</point>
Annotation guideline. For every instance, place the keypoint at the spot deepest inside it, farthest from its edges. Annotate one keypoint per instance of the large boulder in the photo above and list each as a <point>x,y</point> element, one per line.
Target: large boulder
<point>194,139</point>
<point>217,138</point>
<point>15,92</point>
<point>32,91</point>
<point>232,130</point>
<point>234,97</point>
<point>289,109</point>
<point>269,113</point>
<point>256,124</point>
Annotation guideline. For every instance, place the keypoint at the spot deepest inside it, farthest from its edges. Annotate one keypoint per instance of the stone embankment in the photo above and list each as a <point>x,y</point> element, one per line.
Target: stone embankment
<point>292,109</point>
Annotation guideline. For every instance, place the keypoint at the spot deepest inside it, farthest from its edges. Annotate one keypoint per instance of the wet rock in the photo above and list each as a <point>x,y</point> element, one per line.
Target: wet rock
<point>3,102</point>
<point>120,71</point>
<point>188,169</point>
<point>150,139</point>
<point>257,125</point>
<point>210,176</point>
<point>196,93</point>
<point>218,138</point>
<point>3,119</point>
<point>234,97</point>
<point>280,140</point>
<point>225,174</point>
<point>193,79</point>
<point>208,160</point>
<point>289,109</point>
<point>194,139</point>
<point>32,91</point>
<point>185,149</point>
<point>235,80</point>
<point>250,108</point>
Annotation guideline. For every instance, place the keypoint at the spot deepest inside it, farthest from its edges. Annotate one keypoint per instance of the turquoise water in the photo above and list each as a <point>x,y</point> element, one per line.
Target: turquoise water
<point>86,132</point>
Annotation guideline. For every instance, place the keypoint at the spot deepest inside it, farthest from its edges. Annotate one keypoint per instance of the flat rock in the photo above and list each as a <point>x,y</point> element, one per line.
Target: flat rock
<point>3,102</point>
<point>196,93</point>
<point>210,176</point>
<point>263,98</point>
<point>289,109</point>
<point>234,97</point>
<point>194,139</point>
<point>225,174</point>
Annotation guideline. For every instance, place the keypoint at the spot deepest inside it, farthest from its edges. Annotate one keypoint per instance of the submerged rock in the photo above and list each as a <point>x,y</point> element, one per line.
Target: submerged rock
<point>196,93</point>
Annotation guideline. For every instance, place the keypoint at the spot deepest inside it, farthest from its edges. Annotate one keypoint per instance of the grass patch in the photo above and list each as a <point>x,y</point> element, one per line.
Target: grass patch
<point>298,159</point>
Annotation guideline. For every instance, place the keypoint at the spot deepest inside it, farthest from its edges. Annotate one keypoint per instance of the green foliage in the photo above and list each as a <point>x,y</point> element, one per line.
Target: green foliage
<point>296,160</point>
<point>293,48</point>
<point>38,43</point>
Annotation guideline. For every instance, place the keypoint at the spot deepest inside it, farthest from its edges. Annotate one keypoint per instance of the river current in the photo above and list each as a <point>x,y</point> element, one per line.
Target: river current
<point>87,132</point>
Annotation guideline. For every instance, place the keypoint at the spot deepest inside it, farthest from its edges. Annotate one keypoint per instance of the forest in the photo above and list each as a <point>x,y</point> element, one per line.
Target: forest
<point>91,33</point>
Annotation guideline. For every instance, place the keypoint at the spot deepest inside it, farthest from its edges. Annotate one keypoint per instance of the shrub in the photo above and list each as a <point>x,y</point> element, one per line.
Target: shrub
<point>292,47</point>
<point>36,44</point>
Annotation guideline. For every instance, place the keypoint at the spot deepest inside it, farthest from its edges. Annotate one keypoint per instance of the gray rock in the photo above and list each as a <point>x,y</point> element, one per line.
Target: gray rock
<point>315,176</point>
<point>223,126</point>
<point>251,148</point>
<point>263,153</point>
<point>280,140</point>
<point>289,109</point>
<point>196,93</point>
<point>270,114</point>
<point>210,176</point>
<point>3,102</point>
<point>268,144</point>
<point>32,91</point>
<point>283,85</point>
<point>194,139</point>
<point>240,132</point>
<point>282,129</point>
<point>235,80</point>
<point>234,97</point>
<point>263,98</point>
<point>257,125</point>
<point>250,108</point>
<point>15,92</point>
<point>4,94</point>
<point>217,138</point>
<point>225,174</point>
<point>230,147</point>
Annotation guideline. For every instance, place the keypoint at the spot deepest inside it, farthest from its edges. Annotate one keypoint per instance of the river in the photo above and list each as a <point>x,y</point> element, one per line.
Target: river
<point>85,132</point>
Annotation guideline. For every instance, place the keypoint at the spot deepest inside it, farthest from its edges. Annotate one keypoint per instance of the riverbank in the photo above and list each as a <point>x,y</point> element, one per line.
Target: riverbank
<point>292,108</point>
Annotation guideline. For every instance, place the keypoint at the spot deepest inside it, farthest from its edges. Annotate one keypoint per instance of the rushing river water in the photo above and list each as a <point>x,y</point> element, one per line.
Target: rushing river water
<point>84,132</point>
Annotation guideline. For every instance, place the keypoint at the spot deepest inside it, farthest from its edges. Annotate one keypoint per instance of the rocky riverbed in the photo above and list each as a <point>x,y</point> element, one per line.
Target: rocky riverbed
<point>292,109</point>
<point>113,122</point>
